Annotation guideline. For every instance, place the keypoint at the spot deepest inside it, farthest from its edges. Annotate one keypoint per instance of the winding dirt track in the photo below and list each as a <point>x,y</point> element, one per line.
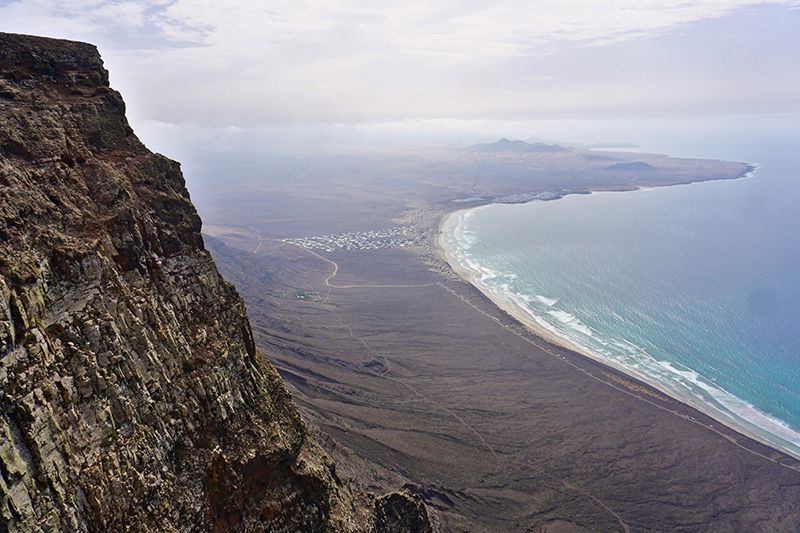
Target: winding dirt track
<point>529,340</point>
<point>387,371</point>
<point>360,285</point>
<point>547,350</point>
<point>437,406</point>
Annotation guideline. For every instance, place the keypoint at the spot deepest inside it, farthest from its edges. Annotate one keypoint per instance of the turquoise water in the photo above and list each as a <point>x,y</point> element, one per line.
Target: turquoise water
<point>694,288</point>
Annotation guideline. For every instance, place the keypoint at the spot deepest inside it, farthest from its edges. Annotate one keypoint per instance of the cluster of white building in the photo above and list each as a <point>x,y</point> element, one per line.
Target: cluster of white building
<point>395,237</point>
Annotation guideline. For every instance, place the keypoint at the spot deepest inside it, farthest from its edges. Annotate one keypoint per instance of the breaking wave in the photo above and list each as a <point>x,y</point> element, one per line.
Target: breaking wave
<point>684,384</point>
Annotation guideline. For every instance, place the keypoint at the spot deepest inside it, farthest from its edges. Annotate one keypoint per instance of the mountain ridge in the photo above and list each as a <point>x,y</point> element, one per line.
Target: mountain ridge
<point>517,146</point>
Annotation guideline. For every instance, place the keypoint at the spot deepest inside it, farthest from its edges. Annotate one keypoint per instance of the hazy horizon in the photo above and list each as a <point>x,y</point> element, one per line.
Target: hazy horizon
<point>246,66</point>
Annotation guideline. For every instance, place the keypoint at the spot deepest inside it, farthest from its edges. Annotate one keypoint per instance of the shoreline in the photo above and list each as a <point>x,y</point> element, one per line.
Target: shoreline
<point>524,318</point>
<point>524,198</point>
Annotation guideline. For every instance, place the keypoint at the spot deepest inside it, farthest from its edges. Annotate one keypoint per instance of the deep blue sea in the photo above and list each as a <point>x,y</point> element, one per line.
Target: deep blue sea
<point>694,288</point>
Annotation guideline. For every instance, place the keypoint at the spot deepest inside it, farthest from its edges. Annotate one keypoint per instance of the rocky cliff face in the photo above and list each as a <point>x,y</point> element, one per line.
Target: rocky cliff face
<point>132,395</point>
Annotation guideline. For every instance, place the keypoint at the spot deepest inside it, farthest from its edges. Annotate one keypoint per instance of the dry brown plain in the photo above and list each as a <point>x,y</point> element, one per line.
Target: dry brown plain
<point>410,376</point>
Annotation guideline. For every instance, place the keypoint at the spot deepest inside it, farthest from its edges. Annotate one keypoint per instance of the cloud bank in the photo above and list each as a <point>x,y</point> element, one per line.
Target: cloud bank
<point>253,63</point>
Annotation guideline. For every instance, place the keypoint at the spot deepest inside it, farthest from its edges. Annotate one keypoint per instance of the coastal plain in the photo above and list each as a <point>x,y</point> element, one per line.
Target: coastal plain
<point>409,376</point>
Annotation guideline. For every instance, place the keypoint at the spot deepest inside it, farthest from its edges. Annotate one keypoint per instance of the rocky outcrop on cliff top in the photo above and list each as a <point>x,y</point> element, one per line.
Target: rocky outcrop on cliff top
<point>131,394</point>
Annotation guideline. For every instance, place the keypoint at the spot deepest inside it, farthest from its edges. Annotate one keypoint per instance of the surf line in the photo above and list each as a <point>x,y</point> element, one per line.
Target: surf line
<point>733,440</point>
<point>563,359</point>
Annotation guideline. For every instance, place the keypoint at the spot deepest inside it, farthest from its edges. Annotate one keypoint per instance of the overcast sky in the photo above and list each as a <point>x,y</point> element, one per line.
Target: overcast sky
<point>244,64</point>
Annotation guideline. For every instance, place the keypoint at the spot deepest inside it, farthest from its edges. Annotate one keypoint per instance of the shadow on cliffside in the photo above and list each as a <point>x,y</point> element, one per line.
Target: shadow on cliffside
<point>132,395</point>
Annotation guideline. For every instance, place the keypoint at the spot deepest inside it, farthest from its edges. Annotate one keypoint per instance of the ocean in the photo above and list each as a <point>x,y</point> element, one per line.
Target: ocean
<point>694,288</point>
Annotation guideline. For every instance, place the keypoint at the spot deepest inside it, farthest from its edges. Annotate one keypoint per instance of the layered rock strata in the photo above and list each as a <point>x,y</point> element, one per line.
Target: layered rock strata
<point>131,393</point>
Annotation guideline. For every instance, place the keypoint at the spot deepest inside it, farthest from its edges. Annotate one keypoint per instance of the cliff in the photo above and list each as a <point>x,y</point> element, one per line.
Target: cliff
<point>132,395</point>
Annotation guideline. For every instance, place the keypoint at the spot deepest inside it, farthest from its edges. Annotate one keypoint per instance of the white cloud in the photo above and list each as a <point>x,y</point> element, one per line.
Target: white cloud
<point>437,32</point>
<point>251,62</point>
<point>72,18</point>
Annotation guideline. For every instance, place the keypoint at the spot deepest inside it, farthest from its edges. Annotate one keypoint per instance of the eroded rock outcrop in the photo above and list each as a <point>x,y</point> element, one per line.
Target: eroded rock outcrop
<point>132,395</point>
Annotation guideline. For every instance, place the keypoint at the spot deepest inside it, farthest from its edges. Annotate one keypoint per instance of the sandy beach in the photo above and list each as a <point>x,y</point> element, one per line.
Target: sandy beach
<point>434,387</point>
<point>410,376</point>
<point>505,304</point>
<point>525,317</point>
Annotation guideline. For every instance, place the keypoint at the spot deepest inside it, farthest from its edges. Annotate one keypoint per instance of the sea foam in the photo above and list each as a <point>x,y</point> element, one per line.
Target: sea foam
<point>685,384</point>
<point>549,302</point>
<point>570,320</point>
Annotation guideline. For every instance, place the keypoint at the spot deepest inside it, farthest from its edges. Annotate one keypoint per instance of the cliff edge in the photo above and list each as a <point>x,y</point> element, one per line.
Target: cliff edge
<point>131,393</point>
